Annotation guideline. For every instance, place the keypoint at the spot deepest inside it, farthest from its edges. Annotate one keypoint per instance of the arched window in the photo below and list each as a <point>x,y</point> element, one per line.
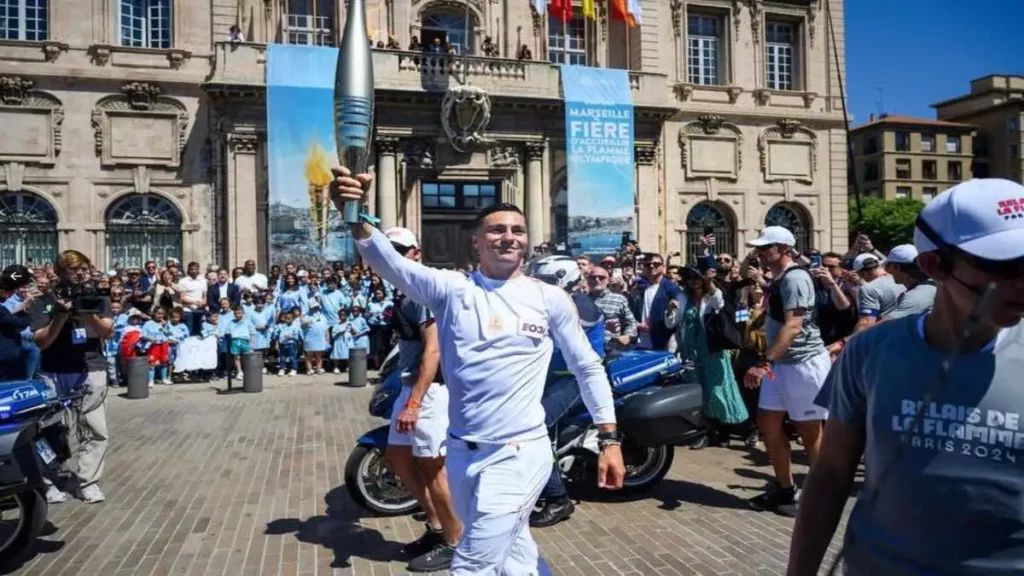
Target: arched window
<point>28,229</point>
<point>447,28</point>
<point>142,227</point>
<point>708,217</point>
<point>793,218</point>
<point>560,216</point>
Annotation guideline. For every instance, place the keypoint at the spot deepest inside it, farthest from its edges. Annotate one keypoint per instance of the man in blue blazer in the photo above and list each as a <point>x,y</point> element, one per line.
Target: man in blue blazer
<point>652,298</point>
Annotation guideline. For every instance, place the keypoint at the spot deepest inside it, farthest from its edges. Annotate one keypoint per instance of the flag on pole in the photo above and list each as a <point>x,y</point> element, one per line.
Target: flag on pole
<point>588,10</point>
<point>560,10</point>
<point>634,13</point>
<point>619,11</point>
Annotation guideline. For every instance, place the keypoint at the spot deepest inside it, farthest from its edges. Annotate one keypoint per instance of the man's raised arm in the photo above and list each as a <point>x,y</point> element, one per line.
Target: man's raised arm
<point>427,286</point>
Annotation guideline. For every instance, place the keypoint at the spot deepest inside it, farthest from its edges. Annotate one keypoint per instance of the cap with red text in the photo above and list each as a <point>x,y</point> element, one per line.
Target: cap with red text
<point>983,217</point>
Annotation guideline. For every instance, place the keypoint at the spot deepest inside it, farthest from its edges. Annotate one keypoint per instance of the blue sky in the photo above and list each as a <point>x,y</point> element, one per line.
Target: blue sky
<point>925,51</point>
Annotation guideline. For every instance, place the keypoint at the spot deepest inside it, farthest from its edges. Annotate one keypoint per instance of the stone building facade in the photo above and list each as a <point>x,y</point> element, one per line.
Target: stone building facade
<point>137,128</point>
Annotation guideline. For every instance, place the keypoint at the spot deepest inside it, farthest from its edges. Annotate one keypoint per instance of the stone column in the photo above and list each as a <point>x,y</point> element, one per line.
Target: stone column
<point>387,181</point>
<point>535,192</point>
<point>647,197</point>
<point>242,236</point>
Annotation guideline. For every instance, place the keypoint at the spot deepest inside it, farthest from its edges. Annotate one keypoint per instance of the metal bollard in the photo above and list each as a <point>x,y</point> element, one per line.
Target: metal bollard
<point>252,369</point>
<point>357,367</point>
<point>136,377</point>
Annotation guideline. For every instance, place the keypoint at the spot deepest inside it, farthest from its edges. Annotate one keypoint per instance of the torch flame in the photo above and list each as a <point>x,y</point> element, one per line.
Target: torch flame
<point>318,164</point>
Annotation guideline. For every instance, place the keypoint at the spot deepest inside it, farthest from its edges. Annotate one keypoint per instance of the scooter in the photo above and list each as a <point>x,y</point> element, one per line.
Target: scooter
<point>33,446</point>
<point>656,409</point>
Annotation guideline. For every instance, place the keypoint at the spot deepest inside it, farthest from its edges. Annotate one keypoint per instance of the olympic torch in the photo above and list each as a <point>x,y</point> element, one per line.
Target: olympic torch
<point>353,98</point>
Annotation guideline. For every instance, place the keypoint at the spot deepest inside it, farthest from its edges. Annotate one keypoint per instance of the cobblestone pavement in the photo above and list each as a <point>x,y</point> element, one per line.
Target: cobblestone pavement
<point>203,483</point>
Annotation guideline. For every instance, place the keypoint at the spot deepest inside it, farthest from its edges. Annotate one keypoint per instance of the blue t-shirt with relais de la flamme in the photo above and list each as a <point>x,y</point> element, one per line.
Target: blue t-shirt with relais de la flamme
<point>953,502</point>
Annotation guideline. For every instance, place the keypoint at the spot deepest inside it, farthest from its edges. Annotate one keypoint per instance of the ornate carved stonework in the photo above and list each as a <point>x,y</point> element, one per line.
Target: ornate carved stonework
<point>756,11</point>
<point>538,19</point>
<point>506,156</point>
<point>420,154</point>
<point>14,89</point>
<point>386,145</point>
<point>677,16</point>
<point>734,93</point>
<point>791,140</point>
<point>736,5</point>
<point>645,154</point>
<point>141,95</point>
<point>27,114</point>
<point>100,55</point>
<point>763,96</point>
<point>465,114</point>
<point>602,19</point>
<point>243,143</point>
<point>535,150</point>
<point>684,91</point>
<point>809,98</point>
<point>132,128</point>
<point>812,13</point>
<point>52,50</point>
<point>711,148</point>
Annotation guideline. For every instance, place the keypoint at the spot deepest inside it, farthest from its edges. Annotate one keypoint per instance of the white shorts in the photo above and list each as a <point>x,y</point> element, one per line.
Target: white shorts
<point>795,387</point>
<point>429,438</point>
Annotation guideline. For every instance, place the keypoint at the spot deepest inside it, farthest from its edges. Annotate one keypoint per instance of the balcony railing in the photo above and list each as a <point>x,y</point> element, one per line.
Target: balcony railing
<point>240,64</point>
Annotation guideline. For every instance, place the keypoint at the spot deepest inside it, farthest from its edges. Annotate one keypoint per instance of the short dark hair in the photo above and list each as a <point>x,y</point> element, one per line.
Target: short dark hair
<point>237,308</point>
<point>653,255</point>
<point>493,209</point>
<point>835,255</point>
<point>191,264</point>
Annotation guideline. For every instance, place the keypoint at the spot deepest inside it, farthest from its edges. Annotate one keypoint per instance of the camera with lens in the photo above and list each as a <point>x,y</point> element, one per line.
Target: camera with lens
<point>84,298</point>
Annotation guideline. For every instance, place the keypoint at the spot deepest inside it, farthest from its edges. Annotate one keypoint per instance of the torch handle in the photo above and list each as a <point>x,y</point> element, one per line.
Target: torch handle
<point>353,122</point>
<point>351,212</point>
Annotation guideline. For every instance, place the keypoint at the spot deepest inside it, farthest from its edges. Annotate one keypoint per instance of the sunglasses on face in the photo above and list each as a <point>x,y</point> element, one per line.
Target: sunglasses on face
<point>724,260</point>
<point>652,264</point>
<point>1003,270</point>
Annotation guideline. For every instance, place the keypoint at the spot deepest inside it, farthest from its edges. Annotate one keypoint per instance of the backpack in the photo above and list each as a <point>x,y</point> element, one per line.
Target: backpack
<point>722,330</point>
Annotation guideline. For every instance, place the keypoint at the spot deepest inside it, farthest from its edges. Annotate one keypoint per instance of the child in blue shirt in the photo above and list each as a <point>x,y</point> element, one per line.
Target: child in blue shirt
<point>341,335</point>
<point>359,329</point>
<point>176,334</point>
<point>153,333</point>
<point>224,317</point>
<point>262,318</point>
<point>240,329</point>
<point>314,339</point>
<point>287,339</point>
<point>112,344</point>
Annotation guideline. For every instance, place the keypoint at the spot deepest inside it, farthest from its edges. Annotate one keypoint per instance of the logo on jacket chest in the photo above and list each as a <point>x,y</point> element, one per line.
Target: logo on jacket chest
<point>532,328</point>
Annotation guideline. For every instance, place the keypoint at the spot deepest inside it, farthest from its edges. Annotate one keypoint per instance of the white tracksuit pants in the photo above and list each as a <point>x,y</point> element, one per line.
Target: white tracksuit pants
<point>494,488</point>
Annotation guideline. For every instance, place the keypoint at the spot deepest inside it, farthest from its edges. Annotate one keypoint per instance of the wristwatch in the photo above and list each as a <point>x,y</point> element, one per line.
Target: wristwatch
<point>605,439</point>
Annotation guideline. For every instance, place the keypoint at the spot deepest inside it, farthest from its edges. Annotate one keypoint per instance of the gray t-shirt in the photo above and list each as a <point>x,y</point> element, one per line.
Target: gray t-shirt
<point>411,351</point>
<point>951,503</point>
<point>917,300</point>
<point>878,297</point>
<point>797,290</point>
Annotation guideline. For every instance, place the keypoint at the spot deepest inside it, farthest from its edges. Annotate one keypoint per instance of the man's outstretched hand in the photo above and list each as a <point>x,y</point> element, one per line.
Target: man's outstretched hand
<point>345,188</point>
<point>610,469</point>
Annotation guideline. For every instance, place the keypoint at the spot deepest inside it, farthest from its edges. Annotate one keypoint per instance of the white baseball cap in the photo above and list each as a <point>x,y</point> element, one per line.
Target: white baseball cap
<point>773,235</point>
<point>866,260</point>
<point>983,217</point>
<point>902,254</point>
<point>402,236</point>
<point>302,274</point>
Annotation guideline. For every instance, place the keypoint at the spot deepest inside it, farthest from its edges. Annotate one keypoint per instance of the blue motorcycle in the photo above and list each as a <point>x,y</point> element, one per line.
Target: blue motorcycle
<point>657,406</point>
<point>33,446</point>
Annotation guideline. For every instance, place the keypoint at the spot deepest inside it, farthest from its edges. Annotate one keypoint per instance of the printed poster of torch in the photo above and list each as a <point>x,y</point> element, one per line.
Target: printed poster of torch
<point>304,227</point>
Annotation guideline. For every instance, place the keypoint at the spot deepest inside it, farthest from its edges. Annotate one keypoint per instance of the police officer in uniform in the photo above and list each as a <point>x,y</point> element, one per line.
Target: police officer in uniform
<point>14,319</point>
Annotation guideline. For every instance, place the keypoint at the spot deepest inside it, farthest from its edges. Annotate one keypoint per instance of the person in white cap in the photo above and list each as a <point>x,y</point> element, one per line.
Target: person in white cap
<point>417,440</point>
<point>901,264</point>
<point>499,330</point>
<point>793,369</point>
<point>933,403</point>
<point>879,293</point>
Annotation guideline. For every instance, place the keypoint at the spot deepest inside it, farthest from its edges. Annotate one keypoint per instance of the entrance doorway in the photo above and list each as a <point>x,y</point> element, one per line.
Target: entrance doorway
<point>449,209</point>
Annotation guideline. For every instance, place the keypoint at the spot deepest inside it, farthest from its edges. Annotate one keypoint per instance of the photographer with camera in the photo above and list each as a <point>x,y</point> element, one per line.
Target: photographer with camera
<point>70,323</point>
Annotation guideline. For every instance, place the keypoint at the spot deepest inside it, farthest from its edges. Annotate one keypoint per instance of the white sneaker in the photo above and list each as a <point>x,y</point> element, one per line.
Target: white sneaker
<point>166,382</point>
<point>280,372</point>
<point>55,496</point>
<point>320,371</point>
<point>292,373</point>
<point>240,375</point>
<point>264,370</point>
<point>92,494</point>
<point>150,383</point>
<point>336,371</point>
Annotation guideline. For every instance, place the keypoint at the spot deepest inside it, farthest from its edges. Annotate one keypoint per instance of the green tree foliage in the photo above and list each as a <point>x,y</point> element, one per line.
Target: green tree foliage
<point>887,222</point>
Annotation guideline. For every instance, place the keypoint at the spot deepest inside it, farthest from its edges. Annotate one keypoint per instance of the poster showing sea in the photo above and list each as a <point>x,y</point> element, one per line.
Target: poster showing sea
<point>304,227</point>
<point>599,146</point>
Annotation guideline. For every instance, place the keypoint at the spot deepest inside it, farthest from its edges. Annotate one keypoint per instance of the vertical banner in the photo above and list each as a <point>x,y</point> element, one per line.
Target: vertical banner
<point>304,225</point>
<point>599,147</point>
